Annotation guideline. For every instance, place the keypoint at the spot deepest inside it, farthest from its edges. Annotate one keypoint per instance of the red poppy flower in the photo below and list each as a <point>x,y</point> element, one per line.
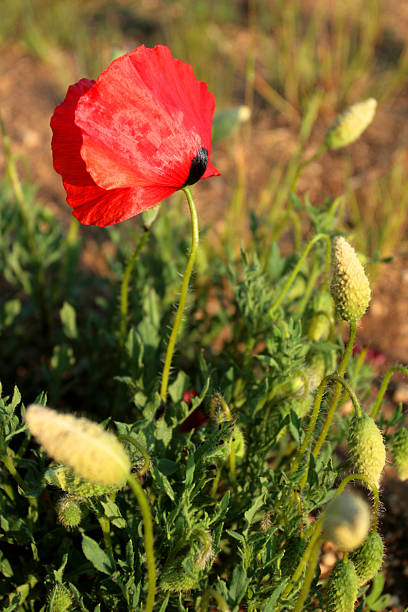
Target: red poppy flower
<point>139,133</point>
<point>197,418</point>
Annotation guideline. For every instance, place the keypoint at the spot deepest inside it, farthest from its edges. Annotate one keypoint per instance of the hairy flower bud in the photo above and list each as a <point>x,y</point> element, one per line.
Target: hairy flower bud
<point>69,511</point>
<point>399,449</point>
<point>63,477</point>
<point>341,589</point>
<point>366,448</point>
<point>323,317</point>
<point>368,558</point>
<point>174,577</point>
<point>93,453</point>
<point>346,521</point>
<point>349,286</point>
<point>349,126</point>
<point>60,599</point>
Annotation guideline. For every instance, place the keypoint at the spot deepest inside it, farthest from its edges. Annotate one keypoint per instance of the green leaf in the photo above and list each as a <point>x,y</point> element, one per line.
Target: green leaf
<point>239,584</point>
<point>270,603</point>
<point>94,553</point>
<point>163,482</point>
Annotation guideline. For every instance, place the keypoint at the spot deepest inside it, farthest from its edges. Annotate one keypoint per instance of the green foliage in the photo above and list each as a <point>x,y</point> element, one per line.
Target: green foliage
<point>267,371</point>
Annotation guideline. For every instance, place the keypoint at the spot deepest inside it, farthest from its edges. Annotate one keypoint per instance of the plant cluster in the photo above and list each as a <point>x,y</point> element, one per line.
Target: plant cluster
<point>219,479</point>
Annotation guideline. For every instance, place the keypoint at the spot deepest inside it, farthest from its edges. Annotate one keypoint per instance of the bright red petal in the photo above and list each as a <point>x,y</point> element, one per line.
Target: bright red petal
<point>144,121</point>
<point>95,206</point>
<point>67,138</point>
<point>210,171</point>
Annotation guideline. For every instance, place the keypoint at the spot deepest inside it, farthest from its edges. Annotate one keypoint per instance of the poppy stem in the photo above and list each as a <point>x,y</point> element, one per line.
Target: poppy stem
<point>183,293</point>
<point>148,539</point>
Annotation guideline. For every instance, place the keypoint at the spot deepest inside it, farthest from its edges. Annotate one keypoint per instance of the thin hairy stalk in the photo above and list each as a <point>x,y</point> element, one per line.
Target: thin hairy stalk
<point>337,392</point>
<point>148,540</point>
<point>298,266</point>
<point>105,526</point>
<point>212,593</point>
<point>315,413</point>
<point>317,527</point>
<point>310,572</point>
<point>312,277</point>
<point>303,165</point>
<point>124,290</point>
<point>383,388</point>
<point>183,293</point>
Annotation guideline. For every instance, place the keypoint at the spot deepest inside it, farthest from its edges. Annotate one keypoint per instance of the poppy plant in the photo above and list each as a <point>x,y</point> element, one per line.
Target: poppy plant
<point>128,140</point>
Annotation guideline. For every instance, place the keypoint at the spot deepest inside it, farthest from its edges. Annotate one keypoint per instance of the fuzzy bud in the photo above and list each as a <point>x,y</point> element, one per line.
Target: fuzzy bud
<point>350,287</point>
<point>63,477</point>
<point>323,317</point>
<point>149,216</point>
<point>368,558</point>
<point>349,126</point>
<point>399,449</point>
<point>366,448</point>
<point>341,589</point>
<point>93,453</point>
<point>60,599</point>
<point>346,521</point>
<point>69,511</point>
<point>175,579</point>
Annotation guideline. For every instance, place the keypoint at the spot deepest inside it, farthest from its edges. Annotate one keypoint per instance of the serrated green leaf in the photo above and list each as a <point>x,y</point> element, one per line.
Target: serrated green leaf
<point>94,553</point>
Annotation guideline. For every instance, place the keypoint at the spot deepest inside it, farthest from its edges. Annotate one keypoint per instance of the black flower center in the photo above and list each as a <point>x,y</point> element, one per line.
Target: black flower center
<point>198,166</point>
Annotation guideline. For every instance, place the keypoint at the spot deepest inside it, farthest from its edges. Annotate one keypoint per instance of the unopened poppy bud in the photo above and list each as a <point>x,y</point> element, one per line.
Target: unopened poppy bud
<point>342,588</point>
<point>69,511</point>
<point>366,448</point>
<point>149,216</point>
<point>323,317</point>
<point>368,558</point>
<point>346,521</point>
<point>349,286</point>
<point>93,453</point>
<point>63,477</point>
<point>294,549</point>
<point>227,121</point>
<point>349,126</point>
<point>60,599</point>
<point>174,577</point>
<point>399,449</point>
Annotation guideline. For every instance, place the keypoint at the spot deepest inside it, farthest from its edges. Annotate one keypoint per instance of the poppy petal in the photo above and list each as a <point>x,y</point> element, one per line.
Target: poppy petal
<point>95,206</point>
<point>210,171</point>
<point>144,121</point>
<point>67,138</point>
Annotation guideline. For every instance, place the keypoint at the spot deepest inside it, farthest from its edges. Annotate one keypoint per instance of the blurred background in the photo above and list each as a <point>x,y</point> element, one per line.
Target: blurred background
<point>295,64</point>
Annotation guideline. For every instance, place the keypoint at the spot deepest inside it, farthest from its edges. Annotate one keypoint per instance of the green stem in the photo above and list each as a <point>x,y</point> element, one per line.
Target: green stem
<point>205,600</point>
<point>183,293</point>
<point>373,488</point>
<point>124,290</point>
<point>303,165</point>
<point>298,266</point>
<point>317,527</point>
<point>384,386</point>
<point>8,462</point>
<point>308,289</point>
<point>148,539</point>
<point>310,572</point>
<point>315,413</point>
<point>337,392</point>
<point>141,450</point>
<point>105,526</point>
